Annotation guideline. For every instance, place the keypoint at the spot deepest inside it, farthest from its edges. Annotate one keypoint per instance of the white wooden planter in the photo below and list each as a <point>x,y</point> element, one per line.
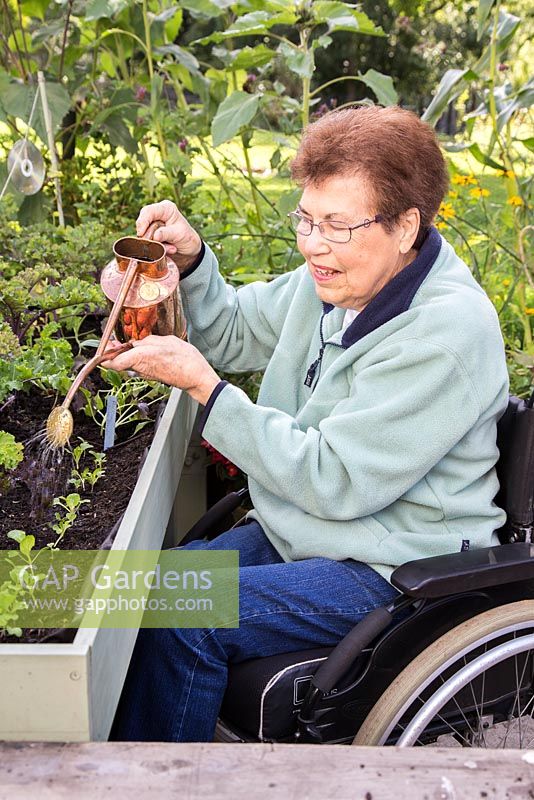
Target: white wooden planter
<point>69,692</point>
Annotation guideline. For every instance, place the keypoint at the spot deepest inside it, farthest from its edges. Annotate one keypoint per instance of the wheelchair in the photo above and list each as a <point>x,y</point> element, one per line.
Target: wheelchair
<point>449,662</point>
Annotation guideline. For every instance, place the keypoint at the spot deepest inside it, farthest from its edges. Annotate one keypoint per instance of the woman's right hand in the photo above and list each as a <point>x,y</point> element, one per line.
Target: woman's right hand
<point>181,241</point>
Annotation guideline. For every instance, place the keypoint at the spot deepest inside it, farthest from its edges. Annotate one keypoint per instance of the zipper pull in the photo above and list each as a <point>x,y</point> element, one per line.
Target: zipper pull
<point>312,369</point>
<point>310,375</point>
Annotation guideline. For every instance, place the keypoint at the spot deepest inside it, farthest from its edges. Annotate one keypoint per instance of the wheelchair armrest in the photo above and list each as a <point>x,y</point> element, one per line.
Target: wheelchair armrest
<point>458,572</point>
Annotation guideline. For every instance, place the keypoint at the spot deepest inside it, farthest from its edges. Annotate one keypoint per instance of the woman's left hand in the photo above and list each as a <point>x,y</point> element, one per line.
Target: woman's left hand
<point>170,360</point>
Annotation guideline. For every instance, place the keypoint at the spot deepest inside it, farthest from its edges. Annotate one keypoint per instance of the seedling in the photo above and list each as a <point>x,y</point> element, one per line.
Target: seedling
<point>70,505</point>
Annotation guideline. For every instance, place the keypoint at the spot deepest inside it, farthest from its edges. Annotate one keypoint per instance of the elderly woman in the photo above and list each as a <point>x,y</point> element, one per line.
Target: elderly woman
<point>373,440</point>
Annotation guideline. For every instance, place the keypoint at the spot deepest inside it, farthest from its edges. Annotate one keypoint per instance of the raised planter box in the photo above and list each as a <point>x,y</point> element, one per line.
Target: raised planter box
<point>69,692</point>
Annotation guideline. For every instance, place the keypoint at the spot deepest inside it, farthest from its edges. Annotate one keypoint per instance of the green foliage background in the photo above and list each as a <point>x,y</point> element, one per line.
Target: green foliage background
<point>203,101</point>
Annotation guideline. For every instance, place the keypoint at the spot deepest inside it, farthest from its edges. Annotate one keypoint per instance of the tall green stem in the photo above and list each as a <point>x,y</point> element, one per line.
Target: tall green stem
<point>306,82</point>
<point>157,125</point>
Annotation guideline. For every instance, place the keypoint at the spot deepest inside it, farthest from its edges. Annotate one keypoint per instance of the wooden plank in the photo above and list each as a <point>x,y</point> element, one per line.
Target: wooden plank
<point>248,771</point>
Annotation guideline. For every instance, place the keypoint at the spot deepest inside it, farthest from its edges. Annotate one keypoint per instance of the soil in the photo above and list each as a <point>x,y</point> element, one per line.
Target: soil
<point>21,507</point>
<point>98,520</point>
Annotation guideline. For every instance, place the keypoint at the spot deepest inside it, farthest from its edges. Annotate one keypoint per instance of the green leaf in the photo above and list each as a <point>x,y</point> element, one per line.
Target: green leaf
<point>104,9</point>
<point>17,536</point>
<point>528,142</point>
<point>299,62</point>
<point>382,86</point>
<point>118,132</point>
<point>173,25</point>
<point>234,112</point>
<point>475,150</point>
<point>17,100</point>
<point>73,501</point>
<point>34,208</point>
<point>483,11</point>
<point>34,8</point>
<point>450,87</point>
<point>523,98</point>
<point>184,57</point>
<point>251,57</point>
<point>166,14</point>
<point>253,24</point>
<point>344,17</point>
<point>26,545</point>
<point>507,26</point>
<point>323,41</point>
<point>288,201</point>
<point>203,8</point>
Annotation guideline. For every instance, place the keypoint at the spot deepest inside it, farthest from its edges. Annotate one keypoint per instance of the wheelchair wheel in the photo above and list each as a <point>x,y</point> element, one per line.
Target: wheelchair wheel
<point>472,687</point>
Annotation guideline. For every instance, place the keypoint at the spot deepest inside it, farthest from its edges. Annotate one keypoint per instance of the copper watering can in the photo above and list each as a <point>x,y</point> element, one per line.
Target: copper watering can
<point>142,284</point>
<point>150,300</point>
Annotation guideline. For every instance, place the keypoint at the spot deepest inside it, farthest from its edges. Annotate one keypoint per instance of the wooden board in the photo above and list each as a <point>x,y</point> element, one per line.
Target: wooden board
<point>249,771</point>
<point>69,692</point>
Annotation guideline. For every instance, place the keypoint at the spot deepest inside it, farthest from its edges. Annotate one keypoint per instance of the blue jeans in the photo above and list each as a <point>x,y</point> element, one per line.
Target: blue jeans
<point>177,678</point>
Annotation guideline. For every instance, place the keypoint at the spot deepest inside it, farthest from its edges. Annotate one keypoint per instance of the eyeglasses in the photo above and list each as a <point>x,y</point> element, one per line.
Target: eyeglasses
<point>331,230</point>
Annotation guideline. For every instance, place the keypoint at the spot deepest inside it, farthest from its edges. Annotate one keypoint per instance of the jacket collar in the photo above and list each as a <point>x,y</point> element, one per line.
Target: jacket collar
<point>396,296</point>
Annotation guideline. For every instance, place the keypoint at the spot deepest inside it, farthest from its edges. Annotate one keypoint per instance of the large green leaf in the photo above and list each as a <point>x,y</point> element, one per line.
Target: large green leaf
<point>299,62</point>
<point>34,8</point>
<point>344,17</point>
<point>166,14</point>
<point>523,98</point>
<point>111,121</point>
<point>382,86</point>
<point>203,8</point>
<point>251,57</point>
<point>46,32</point>
<point>17,99</point>
<point>483,158</point>
<point>254,24</point>
<point>104,9</point>
<point>450,87</point>
<point>236,111</point>
<point>183,57</point>
<point>484,8</point>
<point>34,208</point>
<point>507,26</point>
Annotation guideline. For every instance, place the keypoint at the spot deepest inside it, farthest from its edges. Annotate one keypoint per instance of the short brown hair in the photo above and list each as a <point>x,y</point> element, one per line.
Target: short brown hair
<point>397,154</point>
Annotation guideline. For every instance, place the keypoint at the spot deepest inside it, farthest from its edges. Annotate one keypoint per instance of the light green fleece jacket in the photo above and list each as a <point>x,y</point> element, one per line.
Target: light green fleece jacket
<point>389,455</point>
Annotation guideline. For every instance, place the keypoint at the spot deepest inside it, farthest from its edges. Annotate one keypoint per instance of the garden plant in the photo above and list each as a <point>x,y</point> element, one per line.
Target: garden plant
<point>202,101</point>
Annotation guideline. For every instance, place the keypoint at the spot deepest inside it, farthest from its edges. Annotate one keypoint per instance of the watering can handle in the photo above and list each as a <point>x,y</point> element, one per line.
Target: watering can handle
<point>127,281</point>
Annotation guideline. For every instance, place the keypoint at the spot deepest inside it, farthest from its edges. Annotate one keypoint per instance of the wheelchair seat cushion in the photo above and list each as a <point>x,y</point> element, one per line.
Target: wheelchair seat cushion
<point>275,690</point>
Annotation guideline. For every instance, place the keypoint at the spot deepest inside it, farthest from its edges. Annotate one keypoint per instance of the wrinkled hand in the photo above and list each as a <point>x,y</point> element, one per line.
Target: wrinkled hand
<point>181,241</point>
<point>171,361</point>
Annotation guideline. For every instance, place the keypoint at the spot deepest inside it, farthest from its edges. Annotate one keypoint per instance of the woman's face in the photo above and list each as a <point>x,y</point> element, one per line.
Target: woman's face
<point>350,275</point>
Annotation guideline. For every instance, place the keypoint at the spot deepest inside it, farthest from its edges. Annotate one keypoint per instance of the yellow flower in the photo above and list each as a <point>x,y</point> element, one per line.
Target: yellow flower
<point>441,225</point>
<point>464,180</point>
<point>478,192</point>
<point>506,173</point>
<point>453,194</point>
<point>515,200</point>
<point>506,282</point>
<point>446,211</point>
<point>529,310</point>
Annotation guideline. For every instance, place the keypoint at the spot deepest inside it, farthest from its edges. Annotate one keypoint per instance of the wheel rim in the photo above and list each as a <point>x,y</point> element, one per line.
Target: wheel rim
<point>459,681</point>
<point>510,629</point>
<point>406,695</point>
